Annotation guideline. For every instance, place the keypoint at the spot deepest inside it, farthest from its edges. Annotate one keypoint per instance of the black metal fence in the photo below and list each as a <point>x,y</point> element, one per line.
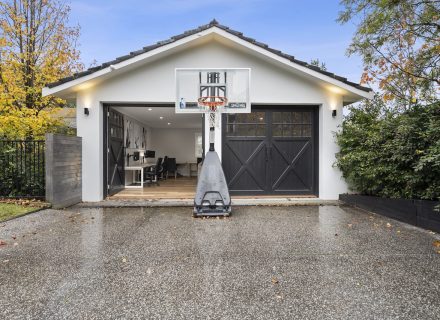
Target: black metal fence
<point>22,169</point>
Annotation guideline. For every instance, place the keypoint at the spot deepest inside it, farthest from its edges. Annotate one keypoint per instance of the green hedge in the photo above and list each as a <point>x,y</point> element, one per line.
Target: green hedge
<point>391,154</point>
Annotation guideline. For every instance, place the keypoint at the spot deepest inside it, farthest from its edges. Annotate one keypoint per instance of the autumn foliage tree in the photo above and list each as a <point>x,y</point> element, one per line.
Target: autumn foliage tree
<point>37,46</point>
<point>390,145</point>
<point>399,41</point>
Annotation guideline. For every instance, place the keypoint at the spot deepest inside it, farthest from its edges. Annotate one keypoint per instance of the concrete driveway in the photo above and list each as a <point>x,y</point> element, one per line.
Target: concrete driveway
<point>308,262</point>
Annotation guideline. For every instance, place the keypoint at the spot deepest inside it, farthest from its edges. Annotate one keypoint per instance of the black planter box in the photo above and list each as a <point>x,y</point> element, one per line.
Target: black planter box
<point>419,213</point>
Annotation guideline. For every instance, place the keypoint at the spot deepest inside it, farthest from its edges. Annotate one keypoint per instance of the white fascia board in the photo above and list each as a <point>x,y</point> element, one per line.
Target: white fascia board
<point>293,65</point>
<point>65,86</point>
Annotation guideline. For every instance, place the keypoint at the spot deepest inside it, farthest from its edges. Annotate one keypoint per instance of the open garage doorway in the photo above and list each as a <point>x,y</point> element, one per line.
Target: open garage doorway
<point>150,152</point>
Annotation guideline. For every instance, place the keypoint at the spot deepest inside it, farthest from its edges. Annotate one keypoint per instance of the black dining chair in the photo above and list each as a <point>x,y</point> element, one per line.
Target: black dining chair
<point>172,167</point>
<point>154,173</point>
<point>164,173</point>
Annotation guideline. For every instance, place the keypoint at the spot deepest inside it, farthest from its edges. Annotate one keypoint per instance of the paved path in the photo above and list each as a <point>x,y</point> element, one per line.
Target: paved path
<point>309,262</point>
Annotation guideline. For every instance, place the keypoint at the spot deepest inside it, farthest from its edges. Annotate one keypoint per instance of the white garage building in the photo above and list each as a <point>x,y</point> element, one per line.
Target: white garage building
<point>286,146</point>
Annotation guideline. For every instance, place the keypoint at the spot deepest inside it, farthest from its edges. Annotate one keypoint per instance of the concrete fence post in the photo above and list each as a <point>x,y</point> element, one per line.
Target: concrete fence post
<point>63,170</point>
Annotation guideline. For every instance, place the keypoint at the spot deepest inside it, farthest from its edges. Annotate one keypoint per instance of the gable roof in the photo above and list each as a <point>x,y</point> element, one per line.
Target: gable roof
<point>192,32</point>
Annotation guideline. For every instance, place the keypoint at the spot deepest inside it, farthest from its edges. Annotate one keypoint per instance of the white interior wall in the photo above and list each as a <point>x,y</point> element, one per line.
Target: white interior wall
<point>140,124</point>
<point>175,143</point>
<point>154,83</point>
<point>130,150</point>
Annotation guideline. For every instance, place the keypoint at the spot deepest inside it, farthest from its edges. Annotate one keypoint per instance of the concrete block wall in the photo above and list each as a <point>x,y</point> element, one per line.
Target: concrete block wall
<point>63,170</point>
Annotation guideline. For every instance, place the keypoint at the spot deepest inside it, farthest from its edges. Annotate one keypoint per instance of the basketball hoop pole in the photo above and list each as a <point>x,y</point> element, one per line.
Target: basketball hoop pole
<point>211,138</point>
<point>212,114</point>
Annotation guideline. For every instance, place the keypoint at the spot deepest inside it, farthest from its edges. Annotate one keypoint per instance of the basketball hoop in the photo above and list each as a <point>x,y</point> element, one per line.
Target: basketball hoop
<point>212,91</point>
<point>213,106</point>
<point>211,103</point>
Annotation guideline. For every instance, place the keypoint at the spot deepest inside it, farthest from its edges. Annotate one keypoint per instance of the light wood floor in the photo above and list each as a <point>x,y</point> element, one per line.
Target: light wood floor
<point>180,188</point>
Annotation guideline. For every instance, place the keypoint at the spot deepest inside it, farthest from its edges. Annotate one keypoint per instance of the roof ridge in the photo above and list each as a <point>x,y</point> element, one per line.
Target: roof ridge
<point>211,24</point>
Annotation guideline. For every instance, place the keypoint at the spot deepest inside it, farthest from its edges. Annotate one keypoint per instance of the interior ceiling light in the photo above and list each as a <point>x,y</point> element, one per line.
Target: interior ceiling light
<point>161,118</point>
<point>169,123</point>
<point>149,109</point>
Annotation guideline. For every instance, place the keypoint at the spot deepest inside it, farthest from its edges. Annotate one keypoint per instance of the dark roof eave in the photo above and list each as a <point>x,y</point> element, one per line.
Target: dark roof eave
<point>213,23</point>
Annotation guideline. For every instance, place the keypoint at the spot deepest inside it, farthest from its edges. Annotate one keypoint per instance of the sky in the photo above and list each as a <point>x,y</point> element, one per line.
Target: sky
<point>305,29</point>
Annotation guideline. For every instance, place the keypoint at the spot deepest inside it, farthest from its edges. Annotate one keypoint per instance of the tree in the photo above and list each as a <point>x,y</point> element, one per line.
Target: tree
<point>319,64</point>
<point>399,41</point>
<point>37,46</point>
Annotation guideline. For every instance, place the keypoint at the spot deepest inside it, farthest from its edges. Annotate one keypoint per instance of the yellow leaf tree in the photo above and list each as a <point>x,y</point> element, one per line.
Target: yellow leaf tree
<point>37,46</point>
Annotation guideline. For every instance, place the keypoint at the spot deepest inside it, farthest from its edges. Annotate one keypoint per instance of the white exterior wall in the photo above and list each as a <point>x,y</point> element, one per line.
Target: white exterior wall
<point>154,83</point>
<point>91,129</point>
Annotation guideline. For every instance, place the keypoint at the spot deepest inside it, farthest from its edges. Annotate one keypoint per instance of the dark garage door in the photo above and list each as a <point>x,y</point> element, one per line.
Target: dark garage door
<point>115,173</point>
<point>271,151</point>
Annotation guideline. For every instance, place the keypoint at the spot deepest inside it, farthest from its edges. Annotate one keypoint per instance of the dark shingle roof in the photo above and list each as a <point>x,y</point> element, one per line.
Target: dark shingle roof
<point>197,30</point>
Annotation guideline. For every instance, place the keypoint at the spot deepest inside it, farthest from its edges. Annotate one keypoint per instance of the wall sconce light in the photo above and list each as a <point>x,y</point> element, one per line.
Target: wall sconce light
<point>334,113</point>
<point>86,111</point>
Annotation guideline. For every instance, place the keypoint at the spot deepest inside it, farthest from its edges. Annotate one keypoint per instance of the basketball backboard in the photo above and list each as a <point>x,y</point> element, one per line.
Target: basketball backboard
<point>230,85</point>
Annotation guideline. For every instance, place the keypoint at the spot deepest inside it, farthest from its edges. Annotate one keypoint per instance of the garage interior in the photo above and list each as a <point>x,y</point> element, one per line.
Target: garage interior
<point>137,137</point>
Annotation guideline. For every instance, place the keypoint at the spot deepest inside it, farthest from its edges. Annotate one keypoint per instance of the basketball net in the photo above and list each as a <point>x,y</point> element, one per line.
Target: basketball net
<point>214,117</point>
<point>213,107</point>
